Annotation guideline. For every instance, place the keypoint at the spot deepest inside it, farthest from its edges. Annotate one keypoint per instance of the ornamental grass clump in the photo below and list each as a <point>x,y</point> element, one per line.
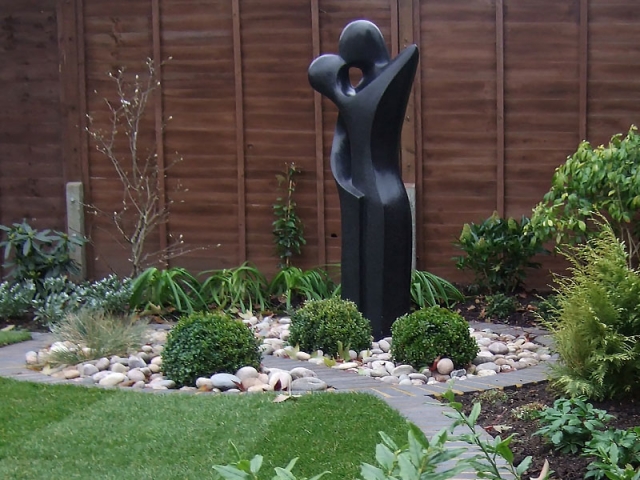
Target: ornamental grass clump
<point>202,344</point>
<point>423,336</point>
<point>324,324</point>
<point>596,331</point>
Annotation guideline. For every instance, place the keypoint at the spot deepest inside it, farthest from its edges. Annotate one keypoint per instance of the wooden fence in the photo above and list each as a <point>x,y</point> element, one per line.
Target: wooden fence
<point>504,92</point>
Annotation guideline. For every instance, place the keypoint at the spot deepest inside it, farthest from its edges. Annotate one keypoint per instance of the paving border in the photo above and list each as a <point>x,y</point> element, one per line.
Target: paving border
<point>417,403</point>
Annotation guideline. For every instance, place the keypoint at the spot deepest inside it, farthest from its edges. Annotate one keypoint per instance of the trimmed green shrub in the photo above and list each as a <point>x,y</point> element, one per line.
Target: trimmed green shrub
<point>422,336</point>
<point>321,324</point>
<point>597,325</point>
<point>202,344</point>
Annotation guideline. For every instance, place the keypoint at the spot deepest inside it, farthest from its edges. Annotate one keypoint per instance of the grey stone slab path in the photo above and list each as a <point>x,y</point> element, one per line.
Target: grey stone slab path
<point>417,403</point>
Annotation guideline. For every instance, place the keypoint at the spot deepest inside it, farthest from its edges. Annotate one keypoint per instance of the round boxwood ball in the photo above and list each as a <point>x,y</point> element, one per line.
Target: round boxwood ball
<point>202,344</point>
<point>422,336</point>
<point>321,324</point>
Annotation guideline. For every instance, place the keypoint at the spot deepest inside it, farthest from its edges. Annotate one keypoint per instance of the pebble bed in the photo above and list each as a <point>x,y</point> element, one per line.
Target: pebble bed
<point>499,354</point>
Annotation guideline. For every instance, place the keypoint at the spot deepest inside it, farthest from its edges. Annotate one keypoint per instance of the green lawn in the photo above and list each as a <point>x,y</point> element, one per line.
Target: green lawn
<point>69,432</point>
<point>13,336</point>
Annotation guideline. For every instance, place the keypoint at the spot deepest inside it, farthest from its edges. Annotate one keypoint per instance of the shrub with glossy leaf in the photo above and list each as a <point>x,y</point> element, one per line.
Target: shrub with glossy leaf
<point>498,251</point>
<point>605,180</point>
<point>15,298</point>
<point>419,338</point>
<point>500,306</point>
<point>597,322</point>
<point>321,324</point>
<point>206,343</point>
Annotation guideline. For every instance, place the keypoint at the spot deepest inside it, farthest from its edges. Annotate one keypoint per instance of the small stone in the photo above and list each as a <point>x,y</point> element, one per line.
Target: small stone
<point>405,381</point>
<point>375,351</point>
<point>86,381</point>
<point>250,382</point>
<point>188,389</point>
<point>506,368</point>
<point>284,320</point>
<point>146,370</point>
<point>364,354</point>
<point>303,356</point>
<point>116,359</point>
<point>100,375</point>
<point>445,366</point>
<point>384,345</point>
<point>418,376</point>
<point>136,362</point>
<point>158,349</point>
<point>204,382</point>
<point>136,375</point>
<point>545,357</point>
<point>127,383</point>
<point>225,381</point>
<point>498,348</point>
<point>487,366</point>
<point>147,348</point>
<point>308,384</point>
<point>43,357</point>
<point>156,361</point>
<point>345,366</point>
<point>390,379</point>
<point>168,384</point>
<point>301,372</point>
<point>88,370</point>
<point>247,372</point>
<point>119,368</point>
<point>72,373</point>
<point>112,379</point>
<point>280,353</point>
<point>384,356</point>
<point>103,364</point>
<point>418,382</point>
<point>458,373</point>
<point>138,385</point>
<point>266,349</point>
<point>232,391</point>
<point>280,380</point>
<point>32,358</point>
<point>486,373</point>
<point>379,372</point>
<point>501,361</point>
<point>483,357</point>
<point>257,388</point>
<point>154,368</point>
<point>484,342</point>
<point>353,355</point>
<point>441,378</point>
<point>402,370</point>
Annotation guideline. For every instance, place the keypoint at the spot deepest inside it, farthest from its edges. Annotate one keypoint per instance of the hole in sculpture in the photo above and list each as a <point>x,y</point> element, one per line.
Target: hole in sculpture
<point>355,76</point>
<point>334,235</point>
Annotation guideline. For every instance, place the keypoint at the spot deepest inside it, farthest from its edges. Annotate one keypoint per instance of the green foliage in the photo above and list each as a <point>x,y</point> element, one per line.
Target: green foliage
<point>95,334</point>
<point>428,290</point>
<point>571,423</point>
<point>37,255</point>
<point>498,251</point>
<point>614,449</point>
<point>202,344</point>
<point>548,308</point>
<point>287,228</point>
<point>16,298</point>
<point>57,297</point>
<point>493,396</point>
<point>173,289</point>
<point>7,337</point>
<point>292,285</point>
<point>321,324</point>
<point>500,306</point>
<point>242,288</point>
<point>486,463</point>
<point>597,328</point>
<point>604,180</point>
<point>249,469</point>
<point>422,336</point>
<point>529,412</point>
<point>421,459</point>
<point>111,294</point>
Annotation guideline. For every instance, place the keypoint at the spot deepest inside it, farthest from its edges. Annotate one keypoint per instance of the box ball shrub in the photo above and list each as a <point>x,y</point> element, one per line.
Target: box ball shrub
<point>321,324</point>
<point>422,336</point>
<point>202,344</point>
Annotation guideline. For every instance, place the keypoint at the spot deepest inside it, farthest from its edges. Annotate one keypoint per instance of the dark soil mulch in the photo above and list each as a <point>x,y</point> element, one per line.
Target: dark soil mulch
<point>495,416</point>
<point>24,323</point>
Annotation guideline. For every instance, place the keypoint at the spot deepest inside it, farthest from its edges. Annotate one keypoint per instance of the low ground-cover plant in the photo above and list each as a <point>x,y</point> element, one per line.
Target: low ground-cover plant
<point>614,450</point>
<point>500,306</point>
<point>35,255</point>
<point>571,423</point>
<point>597,326</point>
<point>202,344</point>
<point>242,288</point>
<point>428,290</point>
<point>16,298</point>
<point>422,337</point>
<point>321,324</point>
<point>167,290</point>
<point>95,334</point>
<point>292,286</point>
<point>499,252</point>
<point>606,180</point>
<point>7,337</point>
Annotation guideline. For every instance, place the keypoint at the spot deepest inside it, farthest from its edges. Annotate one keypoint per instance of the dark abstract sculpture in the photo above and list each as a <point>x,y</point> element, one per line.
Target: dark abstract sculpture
<point>375,210</point>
